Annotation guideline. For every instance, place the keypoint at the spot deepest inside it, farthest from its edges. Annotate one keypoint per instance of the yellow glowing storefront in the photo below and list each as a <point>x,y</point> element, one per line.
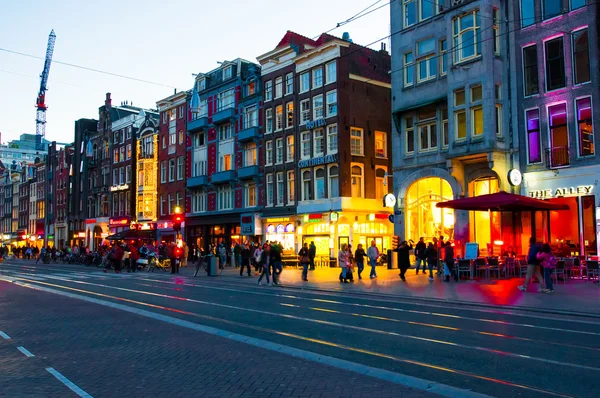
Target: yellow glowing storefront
<point>281,230</point>
<point>485,225</point>
<point>423,218</point>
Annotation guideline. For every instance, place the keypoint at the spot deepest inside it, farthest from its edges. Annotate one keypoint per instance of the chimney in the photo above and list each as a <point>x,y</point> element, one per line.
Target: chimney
<point>383,49</point>
<point>107,101</point>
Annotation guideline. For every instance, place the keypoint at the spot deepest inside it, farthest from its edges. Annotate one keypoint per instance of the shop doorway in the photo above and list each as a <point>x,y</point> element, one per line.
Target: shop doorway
<point>487,226</point>
<point>423,218</point>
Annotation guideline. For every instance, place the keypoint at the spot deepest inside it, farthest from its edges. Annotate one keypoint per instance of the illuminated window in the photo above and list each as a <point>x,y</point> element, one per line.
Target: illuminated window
<point>477,121</point>
<point>291,187</point>
<point>381,188</point>
<point>251,88</point>
<point>279,117</point>
<point>559,135</point>
<point>289,115</point>
<point>584,126</point>
<point>250,195</point>
<point>250,155</point>
<point>357,181</point>
<point>290,148</point>
<point>532,117</point>
<point>486,225</point>
<point>380,144</point>
<point>306,185</point>
<point>423,218</point>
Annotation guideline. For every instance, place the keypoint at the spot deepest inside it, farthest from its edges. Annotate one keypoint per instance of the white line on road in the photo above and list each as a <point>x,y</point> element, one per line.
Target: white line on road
<point>72,386</point>
<point>4,336</point>
<point>25,351</point>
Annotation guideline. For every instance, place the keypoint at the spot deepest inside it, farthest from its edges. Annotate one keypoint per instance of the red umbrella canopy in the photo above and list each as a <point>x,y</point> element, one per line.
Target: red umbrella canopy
<point>501,201</point>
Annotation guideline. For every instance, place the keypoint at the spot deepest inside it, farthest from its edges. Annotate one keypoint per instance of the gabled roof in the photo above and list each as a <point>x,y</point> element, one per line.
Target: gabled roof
<point>293,38</point>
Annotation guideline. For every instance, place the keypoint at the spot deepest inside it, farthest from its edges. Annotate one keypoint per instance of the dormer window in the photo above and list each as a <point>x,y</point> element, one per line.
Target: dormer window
<point>227,72</point>
<point>202,84</point>
<point>251,88</point>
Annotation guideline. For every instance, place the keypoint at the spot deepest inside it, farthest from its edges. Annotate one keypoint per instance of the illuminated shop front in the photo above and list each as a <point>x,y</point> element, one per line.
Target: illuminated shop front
<point>570,232</point>
<point>423,218</point>
<point>486,226</point>
<point>281,230</point>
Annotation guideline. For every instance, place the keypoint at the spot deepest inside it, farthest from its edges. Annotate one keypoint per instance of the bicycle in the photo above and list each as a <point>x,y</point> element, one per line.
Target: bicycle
<point>160,263</point>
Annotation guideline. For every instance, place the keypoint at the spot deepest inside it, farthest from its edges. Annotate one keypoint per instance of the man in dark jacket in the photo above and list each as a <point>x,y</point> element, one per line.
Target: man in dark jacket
<point>432,258</point>
<point>420,255</point>
<point>404,258</point>
<point>312,253</point>
<point>449,260</point>
<point>246,254</point>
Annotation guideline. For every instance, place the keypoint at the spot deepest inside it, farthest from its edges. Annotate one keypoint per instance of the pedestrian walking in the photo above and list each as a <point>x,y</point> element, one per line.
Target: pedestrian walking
<point>246,255</point>
<point>312,253</point>
<point>532,266</point>
<point>265,263</point>
<point>256,257</point>
<point>359,256</point>
<point>343,261</point>
<point>42,254</point>
<point>404,258</point>
<point>185,253</point>
<point>222,255</point>
<point>373,254</point>
<point>449,261</point>
<point>171,254</point>
<point>134,256</point>
<point>276,262</point>
<point>237,254</point>
<point>549,262</point>
<point>304,259</point>
<point>432,258</point>
<point>420,255</point>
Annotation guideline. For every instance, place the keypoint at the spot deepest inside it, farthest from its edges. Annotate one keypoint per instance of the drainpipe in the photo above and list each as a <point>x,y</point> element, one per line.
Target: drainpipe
<point>509,74</point>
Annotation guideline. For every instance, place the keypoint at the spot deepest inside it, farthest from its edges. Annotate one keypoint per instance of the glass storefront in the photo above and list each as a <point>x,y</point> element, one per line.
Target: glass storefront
<point>423,218</point>
<point>282,233</point>
<point>486,224</point>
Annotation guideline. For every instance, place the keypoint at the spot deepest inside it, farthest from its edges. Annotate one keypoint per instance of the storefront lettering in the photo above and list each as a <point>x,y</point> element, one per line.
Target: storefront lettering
<point>561,192</point>
<point>315,123</point>
<point>318,161</point>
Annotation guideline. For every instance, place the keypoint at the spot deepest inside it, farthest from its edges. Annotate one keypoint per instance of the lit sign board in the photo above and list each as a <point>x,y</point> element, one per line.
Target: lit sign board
<point>119,222</point>
<point>318,161</point>
<point>315,123</point>
<point>561,192</point>
<point>123,187</point>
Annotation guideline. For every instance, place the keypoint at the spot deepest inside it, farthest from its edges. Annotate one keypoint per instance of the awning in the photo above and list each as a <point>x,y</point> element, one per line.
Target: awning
<point>133,234</point>
<point>501,201</point>
<point>443,98</point>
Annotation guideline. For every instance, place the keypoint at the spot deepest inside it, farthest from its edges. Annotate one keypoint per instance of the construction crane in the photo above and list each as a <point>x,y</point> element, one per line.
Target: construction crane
<point>40,120</point>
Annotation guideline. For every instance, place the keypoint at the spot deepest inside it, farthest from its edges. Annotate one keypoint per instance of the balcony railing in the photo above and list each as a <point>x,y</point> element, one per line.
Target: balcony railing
<point>558,156</point>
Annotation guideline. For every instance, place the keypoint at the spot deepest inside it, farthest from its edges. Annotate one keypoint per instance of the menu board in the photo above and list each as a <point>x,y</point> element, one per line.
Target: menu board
<point>471,250</point>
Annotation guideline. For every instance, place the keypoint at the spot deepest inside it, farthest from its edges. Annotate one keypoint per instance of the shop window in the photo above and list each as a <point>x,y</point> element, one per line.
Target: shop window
<point>334,188</point>
<point>423,218</point>
<point>555,64</point>
<point>320,183</point>
<point>584,126</point>
<point>486,225</point>
<point>381,188</point>
<point>306,185</point>
<point>357,181</point>
<point>534,152</point>
<point>581,56</point>
<point>559,135</point>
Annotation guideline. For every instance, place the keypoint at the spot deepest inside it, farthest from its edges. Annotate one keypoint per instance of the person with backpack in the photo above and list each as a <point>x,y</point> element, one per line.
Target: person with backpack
<point>549,262</point>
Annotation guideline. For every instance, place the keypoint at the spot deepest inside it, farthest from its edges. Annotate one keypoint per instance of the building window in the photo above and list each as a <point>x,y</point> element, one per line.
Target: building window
<point>279,150</point>
<point>269,121</point>
<point>426,60</point>
<point>250,155</point>
<point>289,83</point>
<point>551,8</point>
<point>279,118</point>
<point>332,103</point>
<point>555,64</point>
<point>427,8</point>
<point>334,186</point>
<point>357,181</point>
<point>319,142</point>
<point>227,72</point>
<point>163,171</point>
<point>304,111</point>
<point>584,126</point>
<point>172,138</point>
<point>251,88</point>
<point>559,135</point>
<point>226,100</point>
<point>410,12</point>
<point>180,168</point>
<point>128,174</point>
<point>269,152</point>
<point>290,186</point>
<point>279,87</point>
<point>250,195</point>
<point>290,148</point>
<point>381,188</point>
<point>317,77</point>
<point>409,70</point>
<point>306,185</point>
<point>122,175</point>
<point>444,56</point>
<point>180,137</point>
<point>477,121</point>
<point>225,132</point>
<point>527,13</point>
<point>498,120</point>
<point>380,144</point>
<point>269,189</point>
<point>320,183</point>
<point>530,70</point>
<point>306,145</point>
<point>225,197</point>
<point>427,137</point>
<point>461,124</point>
<point>171,171</point>
<point>116,155</point>
<point>409,134</point>
<point>444,112</point>
<point>289,115</point>
<point>122,154</point>
<point>304,82</point>
<point>496,30</point>
<point>199,202</point>
<point>467,36</point>
<point>199,140</point>
<point>575,4</point>
<point>164,141</point>
<point>330,72</point>
<point>250,117</point>
<point>280,191</point>
<point>268,90</point>
<point>317,107</point>
<point>332,139</point>
<point>225,162</point>
<point>202,108</point>
<point>581,56</point>
<point>356,141</point>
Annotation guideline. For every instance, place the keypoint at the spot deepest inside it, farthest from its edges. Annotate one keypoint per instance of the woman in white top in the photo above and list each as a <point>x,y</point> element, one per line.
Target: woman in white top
<point>343,261</point>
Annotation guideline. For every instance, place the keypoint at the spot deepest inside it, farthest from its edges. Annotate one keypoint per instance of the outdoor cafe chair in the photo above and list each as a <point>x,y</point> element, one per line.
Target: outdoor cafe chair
<point>509,266</point>
<point>560,270</point>
<point>493,265</point>
<point>592,268</point>
<point>570,266</point>
<point>464,267</point>
<point>522,267</point>
<point>481,266</point>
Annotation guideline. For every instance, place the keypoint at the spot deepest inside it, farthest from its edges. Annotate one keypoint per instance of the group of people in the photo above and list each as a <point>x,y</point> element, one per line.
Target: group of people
<point>540,260</point>
<point>127,255</point>
<point>347,260</point>
<point>429,254</point>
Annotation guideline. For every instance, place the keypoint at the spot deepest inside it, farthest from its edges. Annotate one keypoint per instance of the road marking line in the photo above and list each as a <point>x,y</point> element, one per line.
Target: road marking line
<point>25,351</point>
<point>4,336</point>
<point>72,386</point>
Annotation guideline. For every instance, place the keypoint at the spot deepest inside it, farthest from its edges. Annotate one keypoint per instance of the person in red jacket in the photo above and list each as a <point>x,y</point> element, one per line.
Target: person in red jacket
<point>133,257</point>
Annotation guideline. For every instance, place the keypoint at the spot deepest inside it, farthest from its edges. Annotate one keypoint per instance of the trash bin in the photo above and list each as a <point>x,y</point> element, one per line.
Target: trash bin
<point>213,266</point>
<point>392,260</point>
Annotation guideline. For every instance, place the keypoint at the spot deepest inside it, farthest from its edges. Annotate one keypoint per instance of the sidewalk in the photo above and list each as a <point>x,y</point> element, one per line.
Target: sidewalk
<point>574,296</point>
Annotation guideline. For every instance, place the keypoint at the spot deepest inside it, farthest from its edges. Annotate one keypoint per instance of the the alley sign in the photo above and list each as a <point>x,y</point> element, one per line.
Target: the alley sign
<point>561,192</point>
